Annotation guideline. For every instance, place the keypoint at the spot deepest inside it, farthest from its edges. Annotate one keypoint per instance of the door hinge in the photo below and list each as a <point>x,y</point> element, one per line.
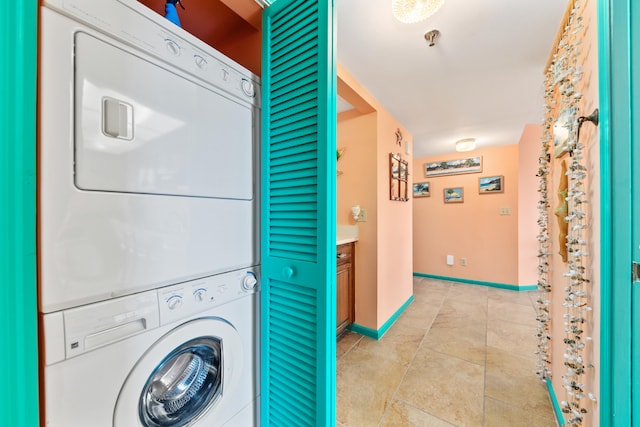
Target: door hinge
<point>635,272</point>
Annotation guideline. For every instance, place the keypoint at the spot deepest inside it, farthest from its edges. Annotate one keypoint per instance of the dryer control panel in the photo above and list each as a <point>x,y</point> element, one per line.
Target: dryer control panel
<point>187,298</point>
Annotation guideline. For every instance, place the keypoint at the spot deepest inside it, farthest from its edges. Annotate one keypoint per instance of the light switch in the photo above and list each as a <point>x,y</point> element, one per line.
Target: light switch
<point>449,259</point>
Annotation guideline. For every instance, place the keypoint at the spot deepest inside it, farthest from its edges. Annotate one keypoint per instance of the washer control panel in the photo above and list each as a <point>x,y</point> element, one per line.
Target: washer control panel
<point>187,298</point>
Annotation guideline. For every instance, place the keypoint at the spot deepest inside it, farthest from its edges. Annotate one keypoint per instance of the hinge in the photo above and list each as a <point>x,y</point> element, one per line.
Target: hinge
<point>635,272</point>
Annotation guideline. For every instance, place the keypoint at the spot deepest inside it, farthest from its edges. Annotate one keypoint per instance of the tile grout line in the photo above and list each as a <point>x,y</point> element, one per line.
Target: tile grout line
<point>395,392</point>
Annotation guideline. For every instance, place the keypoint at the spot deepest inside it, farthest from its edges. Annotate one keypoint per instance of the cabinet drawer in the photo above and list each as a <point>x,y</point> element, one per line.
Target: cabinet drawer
<point>344,253</point>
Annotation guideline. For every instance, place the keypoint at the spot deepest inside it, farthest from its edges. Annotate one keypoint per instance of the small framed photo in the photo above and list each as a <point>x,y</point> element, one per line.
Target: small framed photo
<point>454,195</point>
<point>491,184</point>
<point>421,189</point>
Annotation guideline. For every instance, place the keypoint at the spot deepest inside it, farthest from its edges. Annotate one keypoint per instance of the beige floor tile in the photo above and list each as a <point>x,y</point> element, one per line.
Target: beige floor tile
<point>446,387</point>
<point>399,344</point>
<point>518,339</point>
<point>346,342</point>
<point>511,312</point>
<point>419,315</point>
<point>501,414</point>
<point>470,312</point>
<point>459,340</point>
<point>365,386</point>
<point>402,414</point>
<point>523,298</point>
<point>512,379</point>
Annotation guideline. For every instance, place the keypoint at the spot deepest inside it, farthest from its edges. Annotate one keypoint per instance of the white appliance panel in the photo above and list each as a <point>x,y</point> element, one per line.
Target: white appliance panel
<point>96,245</point>
<point>141,128</point>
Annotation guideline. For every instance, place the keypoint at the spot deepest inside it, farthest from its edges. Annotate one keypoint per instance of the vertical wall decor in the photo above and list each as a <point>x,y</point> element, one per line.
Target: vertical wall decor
<point>562,98</point>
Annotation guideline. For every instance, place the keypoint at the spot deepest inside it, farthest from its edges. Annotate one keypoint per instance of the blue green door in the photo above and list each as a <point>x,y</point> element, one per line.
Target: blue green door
<point>619,68</point>
<point>298,214</point>
<point>18,308</point>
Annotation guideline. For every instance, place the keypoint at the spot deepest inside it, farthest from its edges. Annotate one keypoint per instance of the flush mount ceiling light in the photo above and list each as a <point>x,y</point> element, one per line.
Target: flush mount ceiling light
<point>412,11</point>
<point>466,144</point>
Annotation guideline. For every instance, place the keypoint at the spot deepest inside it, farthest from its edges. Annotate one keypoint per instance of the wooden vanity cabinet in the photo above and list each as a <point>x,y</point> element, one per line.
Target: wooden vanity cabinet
<point>345,281</point>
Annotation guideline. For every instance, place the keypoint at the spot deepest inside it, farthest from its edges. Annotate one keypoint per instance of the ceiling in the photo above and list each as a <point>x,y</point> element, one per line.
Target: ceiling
<point>482,79</point>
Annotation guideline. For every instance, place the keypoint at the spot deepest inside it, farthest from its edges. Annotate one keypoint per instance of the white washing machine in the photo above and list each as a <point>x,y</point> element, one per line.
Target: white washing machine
<point>183,355</point>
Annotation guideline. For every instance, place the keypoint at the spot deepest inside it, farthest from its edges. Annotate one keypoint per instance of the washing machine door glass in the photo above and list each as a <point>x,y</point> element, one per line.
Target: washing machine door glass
<point>184,385</point>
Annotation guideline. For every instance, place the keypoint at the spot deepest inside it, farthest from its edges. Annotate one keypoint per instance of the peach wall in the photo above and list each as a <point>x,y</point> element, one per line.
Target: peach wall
<point>589,136</point>
<point>356,186</point>
<point>528,153</point>
<point>383,252</point>
<point>474,229</point>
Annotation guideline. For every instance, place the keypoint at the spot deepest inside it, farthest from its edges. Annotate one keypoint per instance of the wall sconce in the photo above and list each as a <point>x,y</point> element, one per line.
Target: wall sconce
<point>355,211</point>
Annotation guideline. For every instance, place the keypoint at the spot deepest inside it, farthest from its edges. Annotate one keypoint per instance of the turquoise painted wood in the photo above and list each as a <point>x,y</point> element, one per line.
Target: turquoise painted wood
<point>507,286</point>
<point>298,249</point>
<point>18,308</point>
<point>379,333</point>
<point>615,83</point>
<point>634,81</point>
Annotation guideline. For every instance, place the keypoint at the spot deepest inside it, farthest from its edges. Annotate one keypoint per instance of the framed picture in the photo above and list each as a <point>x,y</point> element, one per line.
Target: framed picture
<point>454,195</point>
<point>453,167</point>
<point>491,184</point>
<point>421,189</point>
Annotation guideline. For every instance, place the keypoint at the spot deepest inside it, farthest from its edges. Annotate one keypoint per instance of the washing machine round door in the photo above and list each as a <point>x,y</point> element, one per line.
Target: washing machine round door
<point>184,376</point>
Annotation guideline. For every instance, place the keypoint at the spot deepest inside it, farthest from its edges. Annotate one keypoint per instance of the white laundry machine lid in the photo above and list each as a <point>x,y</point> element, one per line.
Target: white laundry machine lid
<point>183,377</point>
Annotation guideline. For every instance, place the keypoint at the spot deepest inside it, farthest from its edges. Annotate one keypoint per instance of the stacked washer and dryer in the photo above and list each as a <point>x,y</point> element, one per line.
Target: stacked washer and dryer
<point>148,223</point>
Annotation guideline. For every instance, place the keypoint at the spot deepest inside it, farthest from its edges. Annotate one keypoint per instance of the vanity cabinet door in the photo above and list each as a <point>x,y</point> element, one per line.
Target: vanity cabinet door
<point>344,287</point>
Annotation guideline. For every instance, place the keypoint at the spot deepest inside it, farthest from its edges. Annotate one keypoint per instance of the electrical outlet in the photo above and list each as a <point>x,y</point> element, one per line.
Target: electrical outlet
<point>463,262</point>
<point>363,215</point>
<point>505,211</point>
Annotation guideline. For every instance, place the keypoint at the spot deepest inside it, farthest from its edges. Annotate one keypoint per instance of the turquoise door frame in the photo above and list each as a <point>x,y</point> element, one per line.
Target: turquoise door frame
<point>618,24</point>
<point>18,301</point>
<point>298,240</point>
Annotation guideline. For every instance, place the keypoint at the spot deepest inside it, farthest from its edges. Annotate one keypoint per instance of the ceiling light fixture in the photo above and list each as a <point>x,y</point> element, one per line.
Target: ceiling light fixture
<point>466,144</point>
<point>412,11</point>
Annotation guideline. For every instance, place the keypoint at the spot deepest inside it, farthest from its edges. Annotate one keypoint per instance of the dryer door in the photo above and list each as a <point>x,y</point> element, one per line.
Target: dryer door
<point>186,376</point>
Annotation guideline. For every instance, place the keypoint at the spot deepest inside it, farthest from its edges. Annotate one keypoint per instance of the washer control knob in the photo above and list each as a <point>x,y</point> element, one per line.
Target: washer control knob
<point>174,302</point>
<point>224,74</point>
<point>248,88</point>
<point>249,282</point>
<point>200,62</point>
<point>172,47</point>
<point>200,295</point>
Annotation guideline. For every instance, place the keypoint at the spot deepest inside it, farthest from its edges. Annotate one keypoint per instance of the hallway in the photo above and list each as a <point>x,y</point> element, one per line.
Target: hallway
<point>460,355</point>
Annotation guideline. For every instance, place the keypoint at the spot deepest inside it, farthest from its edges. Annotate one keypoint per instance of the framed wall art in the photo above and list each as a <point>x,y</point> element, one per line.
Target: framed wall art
<point>421,189</point>
<point>491,184</point>
<point>453,195</point>
<point>453,167</point>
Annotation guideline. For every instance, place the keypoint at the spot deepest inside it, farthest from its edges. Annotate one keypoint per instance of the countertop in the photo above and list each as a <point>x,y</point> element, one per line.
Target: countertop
<point>346,234</point>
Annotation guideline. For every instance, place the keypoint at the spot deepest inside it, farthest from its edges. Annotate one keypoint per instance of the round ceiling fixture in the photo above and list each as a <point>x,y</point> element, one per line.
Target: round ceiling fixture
<point>412,11</point>
<point>466,144</point>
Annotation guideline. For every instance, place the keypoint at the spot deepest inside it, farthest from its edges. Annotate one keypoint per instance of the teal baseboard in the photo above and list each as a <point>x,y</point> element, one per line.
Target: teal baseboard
<point>518,288</point>
<point>554,402</point>
<point>377,334</point>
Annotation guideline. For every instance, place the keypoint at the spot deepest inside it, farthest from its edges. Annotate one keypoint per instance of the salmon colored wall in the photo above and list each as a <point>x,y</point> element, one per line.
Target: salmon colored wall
<point>356,186</point>
<point>528,181</point>
<point>473,229</point>
<point>383,252</point>
<point>589,136</point>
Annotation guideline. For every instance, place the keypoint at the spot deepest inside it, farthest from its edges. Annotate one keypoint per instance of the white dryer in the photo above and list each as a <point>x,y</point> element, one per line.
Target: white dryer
<point>149,139</point>
<point>184,355</point>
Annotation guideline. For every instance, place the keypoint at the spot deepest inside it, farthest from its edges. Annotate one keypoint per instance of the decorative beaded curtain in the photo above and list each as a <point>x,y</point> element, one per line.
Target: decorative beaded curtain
<point>561,139</point>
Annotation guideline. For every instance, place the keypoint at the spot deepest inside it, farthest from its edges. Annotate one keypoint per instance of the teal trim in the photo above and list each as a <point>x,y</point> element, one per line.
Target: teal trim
<point>614,75</point>
<point>298,214</point>
<point>478,282</point>
<point>18,292</point>
<point>554,402</point>
<point>377,334</point>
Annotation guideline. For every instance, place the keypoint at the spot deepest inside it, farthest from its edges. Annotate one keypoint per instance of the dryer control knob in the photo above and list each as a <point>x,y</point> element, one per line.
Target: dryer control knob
<point>249,282</point>
<point>200,62</point>
<point>200,295</point>
<point>248,88</point>
<point>174,302</point>
<point>172,47</point>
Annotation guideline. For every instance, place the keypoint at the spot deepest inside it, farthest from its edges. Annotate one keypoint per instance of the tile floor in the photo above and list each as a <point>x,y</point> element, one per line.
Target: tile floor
<point>460,355</point>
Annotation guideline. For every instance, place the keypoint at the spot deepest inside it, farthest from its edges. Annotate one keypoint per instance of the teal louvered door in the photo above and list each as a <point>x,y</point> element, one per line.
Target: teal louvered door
<point>298,214</point>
